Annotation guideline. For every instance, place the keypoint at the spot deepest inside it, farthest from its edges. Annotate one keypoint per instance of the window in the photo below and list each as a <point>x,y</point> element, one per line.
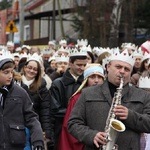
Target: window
<point>26,32</point>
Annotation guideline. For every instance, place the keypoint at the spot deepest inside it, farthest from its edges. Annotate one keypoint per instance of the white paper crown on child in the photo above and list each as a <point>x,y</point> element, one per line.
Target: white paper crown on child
<point>95,50</point>
<point>18,49</point>
<point>16,55</point>
<point>34,57</point>
<point>137,54</point>
<point>62,42</point>
<point>86,48</point>
<point>26,46</point>
<point>129,45</point>
<point>144,82</point>
<point>114,50</point>
<point>101,51</point>
<point>46,51</point>
<point>146,56</point>
<point>2,47</point>
<point>76,52</point>
<point>62,58</point>
<point>123,56</point>
<point>52,58</point>
<point>51,42</point>
<point>82,42</point>
<point>23,55</point>
<point>5,54</point>
<point>10,43</point>
<point>62,49</point>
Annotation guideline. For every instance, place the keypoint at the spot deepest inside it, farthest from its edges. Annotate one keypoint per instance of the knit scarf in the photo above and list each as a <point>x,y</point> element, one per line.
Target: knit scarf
<point>27,82</point>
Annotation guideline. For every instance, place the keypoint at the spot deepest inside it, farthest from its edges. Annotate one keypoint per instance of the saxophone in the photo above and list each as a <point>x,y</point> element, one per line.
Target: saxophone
<point>114,126</point>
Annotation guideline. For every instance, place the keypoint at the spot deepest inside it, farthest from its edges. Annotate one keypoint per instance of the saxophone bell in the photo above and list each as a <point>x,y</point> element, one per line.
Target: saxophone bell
<point>116,127</point>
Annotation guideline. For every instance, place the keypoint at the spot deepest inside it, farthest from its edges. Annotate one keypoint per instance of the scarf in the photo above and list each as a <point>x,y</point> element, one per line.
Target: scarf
<point>27,82</point>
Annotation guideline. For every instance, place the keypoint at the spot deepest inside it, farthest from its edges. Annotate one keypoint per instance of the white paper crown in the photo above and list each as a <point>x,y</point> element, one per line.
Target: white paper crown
<point>105,61</point>
<point>123,56</point>
<point>35,57</point>
<point>114,50</point>
<point>62,58</point>
<point>10,43</point>
<point>26,46</point>
<point>146,56</point>
<point>18,49</point>
<point>2,47</point>
<point>4,54</point>
<point>62,42</point>
<point>129,45</point>
<point>16,55</point>
<point>46,51</point>
<point>103,50</point>
<point>51,42</point>
<point>137,54</point>
<point>86,48</point>
<point>146,46</point>
<point>82,42</point>
<point>51,58</point>
<point>62,49</point>
<point>23,55</point>
<point>144,82</point>
<point>76,52</point>
<point>95,50</point>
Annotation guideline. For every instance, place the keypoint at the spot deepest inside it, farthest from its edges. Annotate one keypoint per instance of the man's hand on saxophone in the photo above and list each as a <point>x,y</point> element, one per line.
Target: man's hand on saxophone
<point>121,112</point>
<point>100,138</point>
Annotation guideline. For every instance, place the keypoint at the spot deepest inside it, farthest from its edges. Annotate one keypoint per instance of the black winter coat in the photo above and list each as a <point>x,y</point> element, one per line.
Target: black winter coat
<point>17,114</point>
<point>61,91</point>
<point>54,75</point>
<point>41,105</point>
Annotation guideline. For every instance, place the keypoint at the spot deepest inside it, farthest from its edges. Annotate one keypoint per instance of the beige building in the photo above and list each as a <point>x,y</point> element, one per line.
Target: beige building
<point>44,20</point>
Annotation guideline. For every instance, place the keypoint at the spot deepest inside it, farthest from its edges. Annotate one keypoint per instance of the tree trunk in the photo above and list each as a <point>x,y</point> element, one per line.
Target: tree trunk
<point>114,23</point>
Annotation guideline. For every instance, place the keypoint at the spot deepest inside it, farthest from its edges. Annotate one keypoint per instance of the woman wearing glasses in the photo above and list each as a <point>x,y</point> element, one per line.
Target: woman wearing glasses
<point>35,86</point>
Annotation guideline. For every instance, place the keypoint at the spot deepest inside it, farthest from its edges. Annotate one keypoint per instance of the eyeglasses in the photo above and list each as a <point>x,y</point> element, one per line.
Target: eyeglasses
<point>32,68</point>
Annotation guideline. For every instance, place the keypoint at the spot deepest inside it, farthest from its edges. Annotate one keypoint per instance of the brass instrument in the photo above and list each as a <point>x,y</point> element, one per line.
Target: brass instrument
<point>114,126</point>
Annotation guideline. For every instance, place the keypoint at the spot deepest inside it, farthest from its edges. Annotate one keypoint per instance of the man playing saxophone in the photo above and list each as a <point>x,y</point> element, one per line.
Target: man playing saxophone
<point>87,121</point>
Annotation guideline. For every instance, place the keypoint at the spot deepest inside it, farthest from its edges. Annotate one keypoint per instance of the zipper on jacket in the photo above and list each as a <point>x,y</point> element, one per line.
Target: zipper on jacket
<point>3,130</point>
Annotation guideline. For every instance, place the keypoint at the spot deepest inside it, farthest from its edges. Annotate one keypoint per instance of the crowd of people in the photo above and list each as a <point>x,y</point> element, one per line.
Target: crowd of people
<point>59,97</point>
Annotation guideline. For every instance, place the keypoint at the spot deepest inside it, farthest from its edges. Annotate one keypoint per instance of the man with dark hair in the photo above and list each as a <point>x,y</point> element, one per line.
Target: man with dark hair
<point>62,89</point>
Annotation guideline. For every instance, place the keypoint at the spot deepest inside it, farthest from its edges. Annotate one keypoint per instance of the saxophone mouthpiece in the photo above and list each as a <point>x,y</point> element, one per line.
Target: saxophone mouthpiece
<point>121,76</point>
<point>121,81</point>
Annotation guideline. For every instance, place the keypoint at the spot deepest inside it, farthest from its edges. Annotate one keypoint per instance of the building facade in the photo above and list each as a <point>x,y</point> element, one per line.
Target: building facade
<point>43,20</point>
